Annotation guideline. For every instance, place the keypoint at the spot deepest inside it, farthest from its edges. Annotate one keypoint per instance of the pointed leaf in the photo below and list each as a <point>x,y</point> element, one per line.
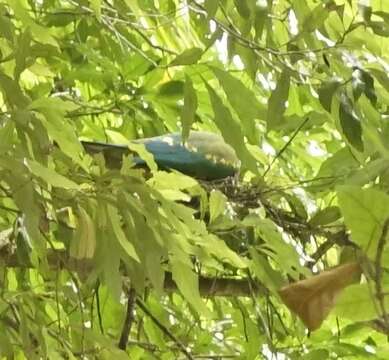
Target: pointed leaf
<point>189,110</point>
<point>242,100</point>
<point>325,216</point>
<point>96,6</point>
<point>119,233</point>
<point>51,176</point>
<point>144,154</point>
<point>351,125</point>
<point>364,220</point>
<point>186,279</point>
<point>277,101</point>
<point>230,129</point>
<point>188,57</point>
<point>217,204</point>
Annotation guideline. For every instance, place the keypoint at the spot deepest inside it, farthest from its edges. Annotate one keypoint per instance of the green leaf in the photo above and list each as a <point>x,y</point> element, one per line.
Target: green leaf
<point>364,220</point>
<point>243,9</point>
<point>119,233</point>
<point>51,176</point>
<point>211,6</point>
<point>325,216</point>
<point>163,180</point>
<point>217,204</point>
<point>6,349</point>
<point>7,29</point>
<point>382,77</point>
<point>380,28</point>
<point>58,128</point>
<point>144,154</point>
<point>326,92</point>
<point>372,120</point>
<point>39,32</point>
<point>357,296</point>
<point>271,278</point>
<point>96,7</point>
<point>12,92</point>
<point>7,132</point>
<point>316,18</point>
<point>188,57</point>
<point>217,247</point>
<point>24,196</point>
<point>242,100</point>
<point>186,279</point>
<point>351,125</point>
<point>230,129</point>
<point>335,170</point>
<point>172,88</point>
<point>189,109</point>
<point>363,82</point>
<point>317,354</point>
<point>277,101</point>
<point>110,265</point>
<point>83,244</point>
<point>22,53</point>
<point>275,247</point>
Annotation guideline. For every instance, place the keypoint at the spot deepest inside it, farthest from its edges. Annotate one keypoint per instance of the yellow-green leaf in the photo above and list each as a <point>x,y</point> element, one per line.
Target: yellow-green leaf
<point>51,176</point>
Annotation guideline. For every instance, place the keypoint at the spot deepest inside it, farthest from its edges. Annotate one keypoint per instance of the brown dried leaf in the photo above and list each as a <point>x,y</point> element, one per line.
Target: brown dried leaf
<point>312,299</point>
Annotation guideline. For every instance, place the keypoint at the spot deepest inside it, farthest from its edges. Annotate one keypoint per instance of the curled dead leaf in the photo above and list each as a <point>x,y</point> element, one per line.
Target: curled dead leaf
<point>312,299</point>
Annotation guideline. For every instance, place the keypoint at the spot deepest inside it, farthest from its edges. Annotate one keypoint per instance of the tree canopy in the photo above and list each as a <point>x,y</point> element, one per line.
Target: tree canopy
<point>99,263</point>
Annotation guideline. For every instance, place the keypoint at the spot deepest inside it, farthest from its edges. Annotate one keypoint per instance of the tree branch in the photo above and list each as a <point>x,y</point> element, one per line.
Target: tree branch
<point>378,274</point>
<point>126,330</point>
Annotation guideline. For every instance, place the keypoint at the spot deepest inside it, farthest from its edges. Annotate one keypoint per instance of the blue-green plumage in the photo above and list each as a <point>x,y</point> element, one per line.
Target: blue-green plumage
<point>204,155</point>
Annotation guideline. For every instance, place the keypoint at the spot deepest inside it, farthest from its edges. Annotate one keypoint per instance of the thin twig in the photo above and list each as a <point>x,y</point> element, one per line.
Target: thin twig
<point>286,145</point>
<point>164,329</point>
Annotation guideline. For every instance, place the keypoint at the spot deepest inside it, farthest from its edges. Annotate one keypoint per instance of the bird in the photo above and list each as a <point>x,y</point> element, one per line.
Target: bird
<point>204,155</point>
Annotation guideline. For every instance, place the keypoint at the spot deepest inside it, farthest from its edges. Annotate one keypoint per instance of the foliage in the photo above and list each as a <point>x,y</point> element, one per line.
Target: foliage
<point>298,88</point>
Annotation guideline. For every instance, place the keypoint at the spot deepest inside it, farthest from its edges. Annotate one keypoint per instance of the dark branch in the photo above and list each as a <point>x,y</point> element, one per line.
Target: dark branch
<point>208,286</point>
<point>378,274</point>
<point>126,330</point>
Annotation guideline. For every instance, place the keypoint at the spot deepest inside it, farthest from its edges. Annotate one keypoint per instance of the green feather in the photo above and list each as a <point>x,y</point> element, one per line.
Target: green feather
<point>204,155</point>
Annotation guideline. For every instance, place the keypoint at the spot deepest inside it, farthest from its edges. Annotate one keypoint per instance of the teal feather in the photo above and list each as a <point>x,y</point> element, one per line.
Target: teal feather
<point>204,155</point>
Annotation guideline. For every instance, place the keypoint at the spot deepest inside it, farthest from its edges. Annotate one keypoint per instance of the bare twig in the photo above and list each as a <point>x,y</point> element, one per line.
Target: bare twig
<point>286,145</point>
<point>126,330</point>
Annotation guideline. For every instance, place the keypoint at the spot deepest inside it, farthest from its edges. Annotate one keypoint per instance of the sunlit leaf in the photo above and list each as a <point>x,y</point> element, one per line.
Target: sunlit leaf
<point>217,205</point>
<point>365,222</point>
<point>96,6</point>
<point>51,176</point>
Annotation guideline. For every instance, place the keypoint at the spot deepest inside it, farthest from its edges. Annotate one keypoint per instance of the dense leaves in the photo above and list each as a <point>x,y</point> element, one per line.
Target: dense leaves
<point>298,88</point>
